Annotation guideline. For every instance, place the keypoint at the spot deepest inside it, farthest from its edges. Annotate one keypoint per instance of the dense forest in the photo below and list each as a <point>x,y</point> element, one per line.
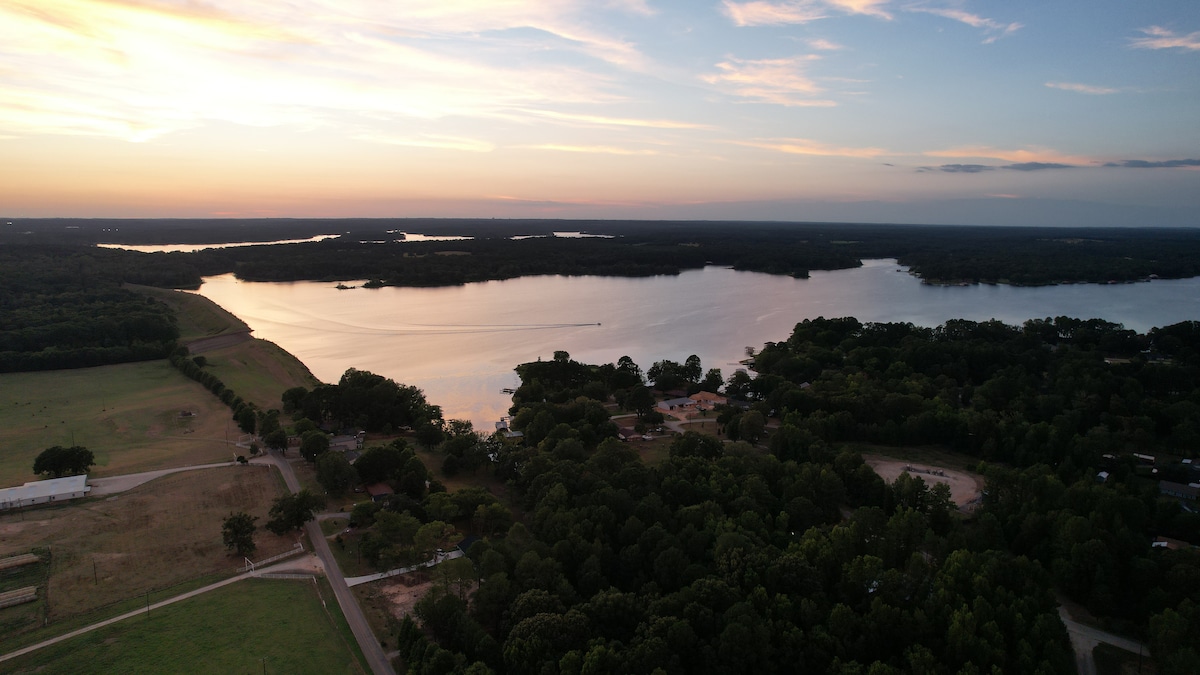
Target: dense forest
<point>779,550</point>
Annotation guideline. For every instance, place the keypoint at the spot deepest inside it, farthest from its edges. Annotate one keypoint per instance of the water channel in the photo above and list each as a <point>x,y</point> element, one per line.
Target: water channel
<point>459,344</point>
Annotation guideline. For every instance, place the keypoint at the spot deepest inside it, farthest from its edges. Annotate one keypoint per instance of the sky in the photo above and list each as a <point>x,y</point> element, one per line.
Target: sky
<point>1021,112</point>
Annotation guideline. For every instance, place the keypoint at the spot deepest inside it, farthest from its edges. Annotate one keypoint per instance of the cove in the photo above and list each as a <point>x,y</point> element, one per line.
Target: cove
<point>459,344</point>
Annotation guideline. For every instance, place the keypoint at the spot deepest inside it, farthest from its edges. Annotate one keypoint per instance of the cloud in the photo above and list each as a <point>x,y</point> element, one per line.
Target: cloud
<point>1082,88</point>
<point>1157,37</point>
<point>601,120</point>
<point>778,81</point>
<point>1037,166</point>
<point>980,168</point>
<point>994,30</point>
<point>824,45</point>
<point>592,149</point>
<point>957,168</point>
<point>765,13</point>
<point>1145,164</point>
<point>430,141</point>
<point>1033,154</point>
<point>804,146</point>
<point>134,70</point>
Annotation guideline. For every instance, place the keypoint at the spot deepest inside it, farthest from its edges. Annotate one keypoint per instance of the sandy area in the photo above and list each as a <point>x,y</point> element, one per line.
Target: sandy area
<point>965,488</point>
<point>401,598</point>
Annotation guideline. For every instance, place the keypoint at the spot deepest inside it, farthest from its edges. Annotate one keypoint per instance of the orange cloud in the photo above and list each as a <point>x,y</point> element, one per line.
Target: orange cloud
<point>804,146</point>
<point>778,81</point>
<point>1040,155</point>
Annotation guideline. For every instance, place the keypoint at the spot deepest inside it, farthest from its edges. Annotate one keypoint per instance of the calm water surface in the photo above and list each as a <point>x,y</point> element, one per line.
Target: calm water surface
<point>460,344</point>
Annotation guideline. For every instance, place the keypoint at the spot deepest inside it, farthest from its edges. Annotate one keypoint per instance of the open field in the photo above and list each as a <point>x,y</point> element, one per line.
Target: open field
<point>127,414</point>
<point>964,487</point>
<point>163,533</point>
<point>228,630</point>
<point>259,371</point>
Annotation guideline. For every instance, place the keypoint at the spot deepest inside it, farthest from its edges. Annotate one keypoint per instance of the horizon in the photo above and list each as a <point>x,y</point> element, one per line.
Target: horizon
<point>935,112</point>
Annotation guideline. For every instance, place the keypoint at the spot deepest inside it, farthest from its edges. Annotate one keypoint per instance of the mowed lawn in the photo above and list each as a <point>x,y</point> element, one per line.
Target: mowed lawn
<point>108,549</point>
<point>228,630</point>
<point>128,415</point>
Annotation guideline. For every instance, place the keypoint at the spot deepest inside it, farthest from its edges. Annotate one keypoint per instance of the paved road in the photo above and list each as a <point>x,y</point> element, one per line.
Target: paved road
<point>113,484</point>
<point>1085,638</point>
<point>376,658</point>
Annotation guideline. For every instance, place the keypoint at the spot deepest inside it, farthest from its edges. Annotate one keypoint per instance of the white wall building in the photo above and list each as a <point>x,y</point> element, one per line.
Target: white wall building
<point>44,492</point>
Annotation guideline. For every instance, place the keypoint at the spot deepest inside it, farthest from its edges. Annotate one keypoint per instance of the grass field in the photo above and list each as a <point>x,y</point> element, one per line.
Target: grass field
<point>160,534</point>
<point>228,630</point>
<point>127,414</point>
<point>259,371</point>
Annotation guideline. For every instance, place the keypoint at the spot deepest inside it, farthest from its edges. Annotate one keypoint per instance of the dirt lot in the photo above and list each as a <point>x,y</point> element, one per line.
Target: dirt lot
<point>965,488</point>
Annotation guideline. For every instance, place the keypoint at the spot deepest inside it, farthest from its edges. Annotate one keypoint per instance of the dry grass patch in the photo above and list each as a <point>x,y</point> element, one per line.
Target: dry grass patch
<point>157,535</point>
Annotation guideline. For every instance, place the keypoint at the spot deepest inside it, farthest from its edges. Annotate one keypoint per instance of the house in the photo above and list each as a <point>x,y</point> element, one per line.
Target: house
<point>672,404</point>
<point>628,434</point>
<point>379,491</point>
<point>44,492</point>
<point>1102,477</point>
<point>1179,490</point>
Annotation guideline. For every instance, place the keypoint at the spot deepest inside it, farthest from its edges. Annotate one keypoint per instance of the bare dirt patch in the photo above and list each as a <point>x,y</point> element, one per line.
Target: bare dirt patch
<point>404,592</point>
<point>965,488</point>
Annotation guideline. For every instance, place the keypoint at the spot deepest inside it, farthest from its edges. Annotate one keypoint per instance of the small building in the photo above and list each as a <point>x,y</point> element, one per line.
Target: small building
<point>379,491</point>
<point>1179,490</point>
<point>672,404</point>
<point>628,434</point>
<point>44,492</point>
<point>1102,477</point>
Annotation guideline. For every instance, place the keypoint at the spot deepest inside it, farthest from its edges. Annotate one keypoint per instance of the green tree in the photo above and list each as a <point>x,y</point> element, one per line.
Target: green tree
<point>238,533</point>
<point>276,440</point>
<point>58,461</point>
<point>313,444</point>
<point>750,427</point>
<point>290,512</point>
<point>335,473</point>
<point>640,400</point>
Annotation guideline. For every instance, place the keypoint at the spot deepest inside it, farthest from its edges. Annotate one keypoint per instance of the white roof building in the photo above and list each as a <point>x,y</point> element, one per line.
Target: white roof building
<point>44,491</point>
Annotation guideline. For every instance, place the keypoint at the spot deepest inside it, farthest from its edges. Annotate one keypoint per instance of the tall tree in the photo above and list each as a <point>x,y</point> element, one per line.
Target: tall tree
<point>238,533</point>
<point>58,461</point>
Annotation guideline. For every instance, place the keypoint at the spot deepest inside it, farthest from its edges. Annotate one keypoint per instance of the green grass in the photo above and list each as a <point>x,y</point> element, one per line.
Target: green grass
<point>127,415</point>
<point>259,371</point>
<point>228,630</point>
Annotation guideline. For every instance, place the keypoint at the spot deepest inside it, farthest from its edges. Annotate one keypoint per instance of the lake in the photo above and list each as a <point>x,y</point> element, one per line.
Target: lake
<point>459,344</point>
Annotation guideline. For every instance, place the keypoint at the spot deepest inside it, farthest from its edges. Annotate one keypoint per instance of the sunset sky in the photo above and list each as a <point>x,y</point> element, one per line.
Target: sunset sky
<point>1022,112</point>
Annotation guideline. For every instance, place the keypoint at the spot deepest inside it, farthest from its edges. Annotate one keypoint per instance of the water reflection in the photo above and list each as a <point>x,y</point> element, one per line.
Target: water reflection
<point>459,344</point>
<point>192,248</point>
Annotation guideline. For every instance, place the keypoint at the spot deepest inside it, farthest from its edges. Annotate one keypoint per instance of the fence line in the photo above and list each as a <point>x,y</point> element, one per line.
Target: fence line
<point>284,575</point>
<point>298,549</point>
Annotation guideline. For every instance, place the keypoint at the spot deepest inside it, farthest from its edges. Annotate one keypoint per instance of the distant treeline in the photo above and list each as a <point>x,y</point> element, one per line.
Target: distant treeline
<point>637,248</point>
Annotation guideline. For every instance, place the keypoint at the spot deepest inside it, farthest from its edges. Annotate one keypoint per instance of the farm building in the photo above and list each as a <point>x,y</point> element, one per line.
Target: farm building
<point>44,492</point>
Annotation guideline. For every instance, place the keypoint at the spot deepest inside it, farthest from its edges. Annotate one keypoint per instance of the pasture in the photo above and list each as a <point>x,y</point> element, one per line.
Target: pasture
<point>251,626</point>
<point>128,415</point>
<point>105,550</point>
